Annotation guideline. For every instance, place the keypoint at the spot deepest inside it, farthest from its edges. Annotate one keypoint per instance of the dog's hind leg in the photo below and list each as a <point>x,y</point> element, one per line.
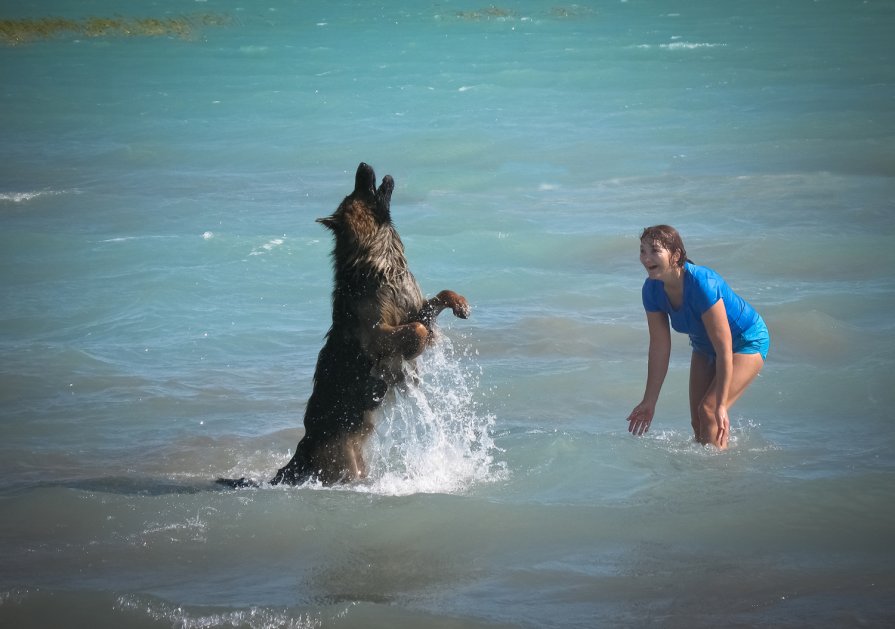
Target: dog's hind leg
<point>355,465</point>
<point>407,340</point>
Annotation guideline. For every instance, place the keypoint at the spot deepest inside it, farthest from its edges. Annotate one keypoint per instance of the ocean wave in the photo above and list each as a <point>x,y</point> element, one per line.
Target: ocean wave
<point>24,197</point>
<point>681,45</point>
<point>139,237</point>
<point>177,616</point>
<point>267,247</point>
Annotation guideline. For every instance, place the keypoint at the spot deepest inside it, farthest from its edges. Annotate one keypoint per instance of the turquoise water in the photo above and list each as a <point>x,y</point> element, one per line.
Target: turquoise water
<point>165,291</point>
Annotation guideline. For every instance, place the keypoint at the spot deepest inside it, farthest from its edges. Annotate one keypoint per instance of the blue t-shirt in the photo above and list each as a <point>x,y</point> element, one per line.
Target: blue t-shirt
<point>703,288</point>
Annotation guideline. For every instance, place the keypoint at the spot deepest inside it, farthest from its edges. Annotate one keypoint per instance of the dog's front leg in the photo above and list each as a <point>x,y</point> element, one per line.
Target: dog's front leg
<point>445,299</point>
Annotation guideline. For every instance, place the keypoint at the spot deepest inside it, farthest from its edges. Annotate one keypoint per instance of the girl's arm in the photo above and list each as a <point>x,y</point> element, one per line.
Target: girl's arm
<point>657,368</point>
<point>718,329</point>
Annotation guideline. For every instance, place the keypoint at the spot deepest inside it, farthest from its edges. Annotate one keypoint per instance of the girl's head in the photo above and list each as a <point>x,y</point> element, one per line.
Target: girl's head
<point>669,239</point>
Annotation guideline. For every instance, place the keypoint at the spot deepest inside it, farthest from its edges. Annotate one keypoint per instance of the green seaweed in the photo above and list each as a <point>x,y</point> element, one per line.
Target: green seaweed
<point>570,11</point>
<point>487,13</point>
<point>20,31</point>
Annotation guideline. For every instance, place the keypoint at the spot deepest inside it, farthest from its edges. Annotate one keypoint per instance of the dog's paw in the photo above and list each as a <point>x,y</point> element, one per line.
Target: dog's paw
<point>457,303</point>
<point>462,309</point>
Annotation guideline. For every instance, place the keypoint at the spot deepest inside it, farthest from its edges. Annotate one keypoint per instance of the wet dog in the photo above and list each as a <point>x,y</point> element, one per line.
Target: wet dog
<point>380,323</point>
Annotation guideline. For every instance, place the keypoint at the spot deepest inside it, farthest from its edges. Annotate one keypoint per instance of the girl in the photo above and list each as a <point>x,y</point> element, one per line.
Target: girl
<point>729,339</point>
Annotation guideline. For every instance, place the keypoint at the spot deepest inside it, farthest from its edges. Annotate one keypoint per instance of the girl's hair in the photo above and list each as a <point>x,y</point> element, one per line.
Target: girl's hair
<point>669,238</point>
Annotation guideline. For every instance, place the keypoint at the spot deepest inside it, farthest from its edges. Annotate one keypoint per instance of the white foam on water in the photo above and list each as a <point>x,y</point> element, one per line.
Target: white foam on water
<point>253,617</point>
<point>267,247</point>
<point>25,197</point>
<point>683,45</point>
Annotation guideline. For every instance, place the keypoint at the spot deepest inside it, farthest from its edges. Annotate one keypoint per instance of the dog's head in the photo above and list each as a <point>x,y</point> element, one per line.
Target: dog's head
<point>364,211</point>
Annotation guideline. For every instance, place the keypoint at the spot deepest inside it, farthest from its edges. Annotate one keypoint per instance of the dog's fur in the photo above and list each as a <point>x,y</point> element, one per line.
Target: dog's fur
<point>380,321</point>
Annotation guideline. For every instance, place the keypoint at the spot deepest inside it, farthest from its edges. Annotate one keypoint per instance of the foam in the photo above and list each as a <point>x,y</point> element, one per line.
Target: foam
<point>25,197</point>
<point>177,616</point>
<point>683,45</point>
<point>266,247</point>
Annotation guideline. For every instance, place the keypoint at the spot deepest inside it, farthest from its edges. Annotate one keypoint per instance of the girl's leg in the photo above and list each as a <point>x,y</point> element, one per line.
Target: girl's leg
<point>745,368</point>
<point>702,373</point>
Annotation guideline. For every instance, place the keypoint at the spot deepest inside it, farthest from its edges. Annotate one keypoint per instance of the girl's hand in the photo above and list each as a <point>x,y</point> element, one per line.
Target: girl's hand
<point>640,419</point>
<point>723,422</point>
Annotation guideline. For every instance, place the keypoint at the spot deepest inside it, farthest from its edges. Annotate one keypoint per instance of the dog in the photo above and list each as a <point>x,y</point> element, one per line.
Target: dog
<point>380,324</point>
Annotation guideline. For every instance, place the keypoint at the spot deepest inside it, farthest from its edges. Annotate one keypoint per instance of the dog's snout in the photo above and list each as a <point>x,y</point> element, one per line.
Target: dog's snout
<point>365,180</point>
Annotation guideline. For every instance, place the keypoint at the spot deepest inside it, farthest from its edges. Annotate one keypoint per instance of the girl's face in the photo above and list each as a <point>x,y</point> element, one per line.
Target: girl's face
<point>658,261</point>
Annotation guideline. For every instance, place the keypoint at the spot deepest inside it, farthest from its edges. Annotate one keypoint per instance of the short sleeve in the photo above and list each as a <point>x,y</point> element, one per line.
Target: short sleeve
<point>650,297</point>
<point>707,291</point>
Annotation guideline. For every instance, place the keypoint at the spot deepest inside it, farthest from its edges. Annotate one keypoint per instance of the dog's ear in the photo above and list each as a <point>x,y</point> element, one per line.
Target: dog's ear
<point>365,182</point>
<point>384,199</point>
<point>329,222</point>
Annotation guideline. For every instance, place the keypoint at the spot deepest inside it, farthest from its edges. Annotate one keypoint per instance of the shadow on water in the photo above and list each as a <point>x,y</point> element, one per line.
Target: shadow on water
<point>122,485</point>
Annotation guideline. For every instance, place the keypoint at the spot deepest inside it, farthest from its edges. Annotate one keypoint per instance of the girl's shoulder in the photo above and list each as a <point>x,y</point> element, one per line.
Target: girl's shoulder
<point>702,275</point>
<point>704,287</point>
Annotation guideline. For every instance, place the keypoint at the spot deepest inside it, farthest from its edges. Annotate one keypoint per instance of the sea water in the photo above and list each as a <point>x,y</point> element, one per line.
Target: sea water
<point>165,291</point>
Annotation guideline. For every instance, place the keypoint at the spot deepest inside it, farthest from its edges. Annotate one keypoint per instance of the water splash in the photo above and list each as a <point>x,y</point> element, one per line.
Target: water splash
<point>434,438</point>
<point>177,616</point>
